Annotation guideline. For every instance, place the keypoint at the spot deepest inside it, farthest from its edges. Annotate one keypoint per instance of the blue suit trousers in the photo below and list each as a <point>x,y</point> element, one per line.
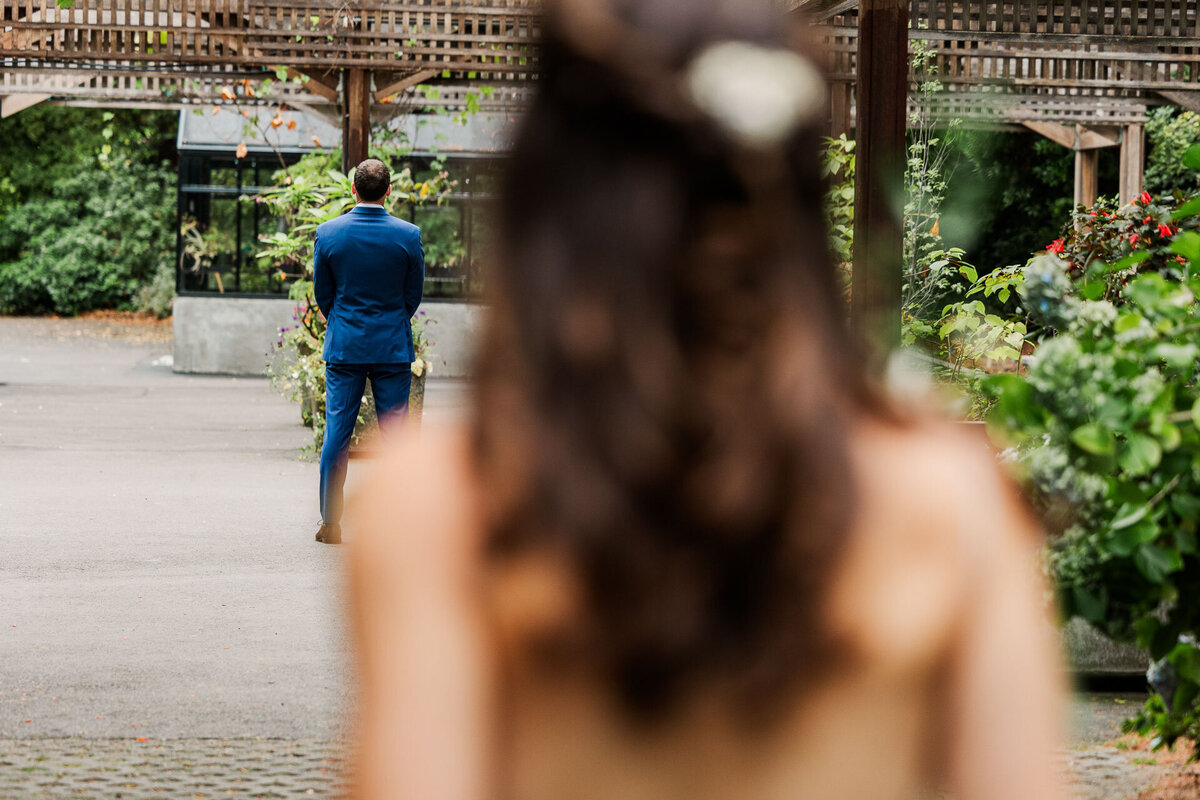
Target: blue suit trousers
<point>344,385</point>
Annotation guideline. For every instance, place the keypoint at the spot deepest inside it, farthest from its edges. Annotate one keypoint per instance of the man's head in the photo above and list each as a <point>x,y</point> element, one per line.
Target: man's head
<point>372,181</point>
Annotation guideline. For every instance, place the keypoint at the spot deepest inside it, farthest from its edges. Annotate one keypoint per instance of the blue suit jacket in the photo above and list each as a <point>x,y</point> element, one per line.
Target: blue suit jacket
<point>368,275</point>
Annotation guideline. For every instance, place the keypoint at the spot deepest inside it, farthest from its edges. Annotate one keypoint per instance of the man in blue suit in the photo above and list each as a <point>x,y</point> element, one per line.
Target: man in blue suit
<point>368,275</point>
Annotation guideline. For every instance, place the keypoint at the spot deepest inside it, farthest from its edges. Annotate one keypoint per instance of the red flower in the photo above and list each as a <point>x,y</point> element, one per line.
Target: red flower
<point>1056,246</point>
<point>1133,239</point>
<point>1145,198</point>
<point>1146,221</point>
<point>1164,230</point>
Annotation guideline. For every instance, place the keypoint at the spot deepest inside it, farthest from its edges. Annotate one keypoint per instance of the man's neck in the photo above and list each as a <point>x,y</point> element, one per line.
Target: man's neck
<point>378,203</point>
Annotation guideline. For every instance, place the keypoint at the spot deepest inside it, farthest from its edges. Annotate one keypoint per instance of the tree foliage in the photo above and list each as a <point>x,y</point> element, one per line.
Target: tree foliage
<point>86,221</point>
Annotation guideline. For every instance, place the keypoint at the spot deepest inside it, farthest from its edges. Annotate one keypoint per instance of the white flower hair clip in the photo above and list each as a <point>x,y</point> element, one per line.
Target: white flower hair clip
<point>758,95</point>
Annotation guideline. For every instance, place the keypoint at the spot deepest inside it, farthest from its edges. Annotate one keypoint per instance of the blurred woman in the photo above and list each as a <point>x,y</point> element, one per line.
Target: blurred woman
<point>682,549</point>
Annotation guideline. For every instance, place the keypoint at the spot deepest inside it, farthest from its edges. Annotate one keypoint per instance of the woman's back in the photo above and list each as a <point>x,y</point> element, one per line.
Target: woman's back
<point>685,550</point>
<point>949,679</point>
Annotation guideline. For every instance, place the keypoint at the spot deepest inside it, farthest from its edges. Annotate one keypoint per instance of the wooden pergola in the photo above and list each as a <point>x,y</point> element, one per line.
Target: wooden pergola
<point>1081,72</point>
<point>349,56</point>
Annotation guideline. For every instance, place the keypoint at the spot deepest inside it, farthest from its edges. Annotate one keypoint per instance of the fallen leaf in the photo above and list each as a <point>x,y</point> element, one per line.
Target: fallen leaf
<point>216,109</point>
<point>227,93</point>
<point>241,150</point>
<point>291,127</point>
<point>141,739</point>
<point>317,142</point>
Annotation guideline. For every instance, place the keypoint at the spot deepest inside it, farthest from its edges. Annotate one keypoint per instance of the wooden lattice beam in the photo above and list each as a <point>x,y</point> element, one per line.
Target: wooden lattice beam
<point>488,40</point>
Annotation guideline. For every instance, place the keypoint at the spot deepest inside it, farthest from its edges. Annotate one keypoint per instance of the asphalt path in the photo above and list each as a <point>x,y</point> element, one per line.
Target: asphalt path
<point>158,574</point>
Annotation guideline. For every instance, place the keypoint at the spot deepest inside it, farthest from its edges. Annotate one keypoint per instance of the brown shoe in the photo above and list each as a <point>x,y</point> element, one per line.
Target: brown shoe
<point>329,534</point>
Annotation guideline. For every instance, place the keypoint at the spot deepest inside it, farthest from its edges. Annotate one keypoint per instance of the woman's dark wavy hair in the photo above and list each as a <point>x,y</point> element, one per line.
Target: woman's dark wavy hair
<point>665,386</point>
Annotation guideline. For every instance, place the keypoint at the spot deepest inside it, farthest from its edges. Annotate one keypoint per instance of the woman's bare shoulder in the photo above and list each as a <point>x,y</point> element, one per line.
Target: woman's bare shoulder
<point>932,507</point>
<point>938,469</point>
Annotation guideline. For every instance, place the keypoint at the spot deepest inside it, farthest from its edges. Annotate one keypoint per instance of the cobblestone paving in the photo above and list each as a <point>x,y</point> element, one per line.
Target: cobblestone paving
<point>127,769</point>
<point>1106,773</point>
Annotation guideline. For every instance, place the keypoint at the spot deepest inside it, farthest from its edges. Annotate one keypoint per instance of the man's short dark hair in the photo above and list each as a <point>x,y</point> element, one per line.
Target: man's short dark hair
<point>371,180</point>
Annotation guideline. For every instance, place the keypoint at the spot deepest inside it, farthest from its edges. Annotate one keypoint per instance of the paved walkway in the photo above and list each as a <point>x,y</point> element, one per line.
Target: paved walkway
<point>158,575</point>
<point>168,627</point>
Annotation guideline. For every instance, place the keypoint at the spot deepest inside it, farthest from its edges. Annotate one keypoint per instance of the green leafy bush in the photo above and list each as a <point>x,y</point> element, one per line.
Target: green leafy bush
<point>1140,234</point>
<point>1106,430</point>
<point>838,169</point>
<point>93,243</point>
<point>1169,132</point>
<point>158,296</point>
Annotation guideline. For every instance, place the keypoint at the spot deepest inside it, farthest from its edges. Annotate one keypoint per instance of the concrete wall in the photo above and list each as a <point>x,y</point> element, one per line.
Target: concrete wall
<point>1092,653</point>
<point>227,335</point>
<point>454,329</point>
<point>233,335</point>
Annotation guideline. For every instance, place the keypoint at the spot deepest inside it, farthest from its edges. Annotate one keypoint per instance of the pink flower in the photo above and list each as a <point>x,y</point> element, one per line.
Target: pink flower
<point>1133,239</point>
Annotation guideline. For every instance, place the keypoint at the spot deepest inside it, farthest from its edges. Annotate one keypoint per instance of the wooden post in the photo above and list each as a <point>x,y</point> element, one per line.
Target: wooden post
<point>839,108</point>
<point>881,95</point>
<point>1133,162</point>
<point>356,117</point>
<point>1087,179</point>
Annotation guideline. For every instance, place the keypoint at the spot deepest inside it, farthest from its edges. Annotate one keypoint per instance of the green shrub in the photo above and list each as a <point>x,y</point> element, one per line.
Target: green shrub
<point>1169,132</point>
<point>158,296</point>
<point>92,244</point>
<point>1106,429</point>
<point>838,169</point>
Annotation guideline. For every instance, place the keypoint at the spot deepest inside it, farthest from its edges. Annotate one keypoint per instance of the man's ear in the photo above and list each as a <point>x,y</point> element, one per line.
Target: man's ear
<point>388,193</point>
<point>354,190</point>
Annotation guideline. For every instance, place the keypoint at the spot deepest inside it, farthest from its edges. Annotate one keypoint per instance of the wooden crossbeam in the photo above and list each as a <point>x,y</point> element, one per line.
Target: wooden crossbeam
<point>317,85</point>
<point>1077,137</point>
<point>407,82</point>
<point>1185,99</point>
<point>12,103</point>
